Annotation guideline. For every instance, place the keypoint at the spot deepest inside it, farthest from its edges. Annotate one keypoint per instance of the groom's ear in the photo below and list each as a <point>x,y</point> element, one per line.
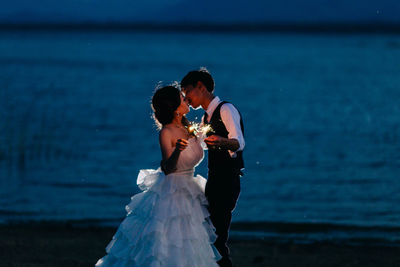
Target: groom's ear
<point>201,86</point>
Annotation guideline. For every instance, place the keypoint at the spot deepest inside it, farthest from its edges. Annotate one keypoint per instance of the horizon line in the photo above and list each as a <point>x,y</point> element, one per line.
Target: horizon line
<point>364,27</point>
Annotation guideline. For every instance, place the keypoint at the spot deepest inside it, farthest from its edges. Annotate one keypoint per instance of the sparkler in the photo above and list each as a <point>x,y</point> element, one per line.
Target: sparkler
<point>195,129</point>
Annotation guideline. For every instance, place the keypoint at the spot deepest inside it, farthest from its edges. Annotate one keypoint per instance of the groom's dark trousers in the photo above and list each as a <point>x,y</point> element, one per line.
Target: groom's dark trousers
<point>223,185</point>
<point>222,192</point>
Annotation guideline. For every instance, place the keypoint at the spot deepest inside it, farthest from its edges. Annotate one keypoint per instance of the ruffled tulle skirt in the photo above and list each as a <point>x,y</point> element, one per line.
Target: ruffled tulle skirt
<point>166,225</point>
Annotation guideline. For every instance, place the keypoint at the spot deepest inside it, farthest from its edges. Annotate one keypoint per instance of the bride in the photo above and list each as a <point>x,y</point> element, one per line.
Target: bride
<point>168,223</point>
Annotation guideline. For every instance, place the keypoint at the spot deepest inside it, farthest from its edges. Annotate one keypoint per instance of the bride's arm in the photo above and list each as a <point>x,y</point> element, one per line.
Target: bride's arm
<point>169,153</point>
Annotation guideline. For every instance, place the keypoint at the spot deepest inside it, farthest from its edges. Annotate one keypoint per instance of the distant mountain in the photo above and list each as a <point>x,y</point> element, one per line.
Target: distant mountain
<point>206,11</point>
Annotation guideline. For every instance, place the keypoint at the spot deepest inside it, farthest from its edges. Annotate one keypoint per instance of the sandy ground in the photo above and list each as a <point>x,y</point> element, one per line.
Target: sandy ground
<point>64,245</point>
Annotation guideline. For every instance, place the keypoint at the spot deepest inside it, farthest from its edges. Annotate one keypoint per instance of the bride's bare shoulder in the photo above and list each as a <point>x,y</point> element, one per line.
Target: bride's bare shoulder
<point>167,133</point>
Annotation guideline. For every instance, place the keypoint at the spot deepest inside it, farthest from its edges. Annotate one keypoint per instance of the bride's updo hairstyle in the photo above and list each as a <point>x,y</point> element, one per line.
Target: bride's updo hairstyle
<point>164,103</point>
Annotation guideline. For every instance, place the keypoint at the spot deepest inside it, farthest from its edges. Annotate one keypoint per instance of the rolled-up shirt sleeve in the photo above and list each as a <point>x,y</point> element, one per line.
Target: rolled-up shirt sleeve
<point>231,118</point>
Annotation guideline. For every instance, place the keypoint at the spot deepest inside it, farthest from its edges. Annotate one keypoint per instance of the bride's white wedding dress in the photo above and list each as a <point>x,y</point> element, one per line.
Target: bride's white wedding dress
<point>168,223</point>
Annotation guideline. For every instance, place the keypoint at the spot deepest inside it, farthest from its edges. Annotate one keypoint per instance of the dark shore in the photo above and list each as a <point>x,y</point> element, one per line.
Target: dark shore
<point>307,28</point>
<point>65,245</point>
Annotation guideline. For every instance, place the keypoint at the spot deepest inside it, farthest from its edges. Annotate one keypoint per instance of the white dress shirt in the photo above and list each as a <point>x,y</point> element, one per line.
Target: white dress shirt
<point>231,119</point>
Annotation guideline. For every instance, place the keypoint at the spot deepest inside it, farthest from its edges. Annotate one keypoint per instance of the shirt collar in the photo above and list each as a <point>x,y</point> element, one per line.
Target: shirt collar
<point>212,106</point>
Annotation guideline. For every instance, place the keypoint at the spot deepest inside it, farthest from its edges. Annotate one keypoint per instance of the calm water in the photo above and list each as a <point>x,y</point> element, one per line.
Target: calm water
<point>322,119</point>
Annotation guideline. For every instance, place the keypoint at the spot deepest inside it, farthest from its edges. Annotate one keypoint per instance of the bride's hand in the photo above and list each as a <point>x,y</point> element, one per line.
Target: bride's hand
<point>181,144</point>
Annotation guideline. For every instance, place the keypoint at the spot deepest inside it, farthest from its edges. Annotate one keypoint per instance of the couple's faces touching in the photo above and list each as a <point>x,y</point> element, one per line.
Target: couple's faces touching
<point>193,94</point>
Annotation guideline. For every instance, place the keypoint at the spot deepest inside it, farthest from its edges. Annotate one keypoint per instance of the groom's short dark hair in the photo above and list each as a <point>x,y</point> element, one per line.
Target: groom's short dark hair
<point>201,75</point>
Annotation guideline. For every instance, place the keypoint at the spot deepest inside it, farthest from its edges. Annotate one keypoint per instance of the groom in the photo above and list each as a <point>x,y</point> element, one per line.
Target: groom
<point>225,153</point>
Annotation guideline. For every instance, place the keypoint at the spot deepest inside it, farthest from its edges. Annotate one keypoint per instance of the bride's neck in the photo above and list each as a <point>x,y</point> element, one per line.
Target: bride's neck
<point>177,121</point>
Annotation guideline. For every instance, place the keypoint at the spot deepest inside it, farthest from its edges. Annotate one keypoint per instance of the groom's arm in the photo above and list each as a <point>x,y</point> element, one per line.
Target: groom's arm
<point>235,142</point>
<point>219,142</point>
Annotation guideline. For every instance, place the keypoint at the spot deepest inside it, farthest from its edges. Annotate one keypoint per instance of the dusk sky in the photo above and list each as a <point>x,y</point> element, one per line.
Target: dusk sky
<point>207,11</point>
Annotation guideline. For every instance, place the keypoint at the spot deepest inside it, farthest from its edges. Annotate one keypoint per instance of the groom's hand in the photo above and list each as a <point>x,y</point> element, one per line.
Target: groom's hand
<point>214,142</point>
<point>219,142</point>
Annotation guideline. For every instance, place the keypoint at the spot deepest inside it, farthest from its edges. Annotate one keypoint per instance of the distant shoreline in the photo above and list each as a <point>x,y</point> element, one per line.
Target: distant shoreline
<point>320,28</point>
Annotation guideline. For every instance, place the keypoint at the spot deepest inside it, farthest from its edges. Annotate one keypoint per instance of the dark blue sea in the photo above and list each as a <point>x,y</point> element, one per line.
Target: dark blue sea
<point>321,113</point>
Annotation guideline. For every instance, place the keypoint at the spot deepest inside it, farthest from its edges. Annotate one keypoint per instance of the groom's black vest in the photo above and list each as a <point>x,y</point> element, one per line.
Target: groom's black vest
<point>220,160</point>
